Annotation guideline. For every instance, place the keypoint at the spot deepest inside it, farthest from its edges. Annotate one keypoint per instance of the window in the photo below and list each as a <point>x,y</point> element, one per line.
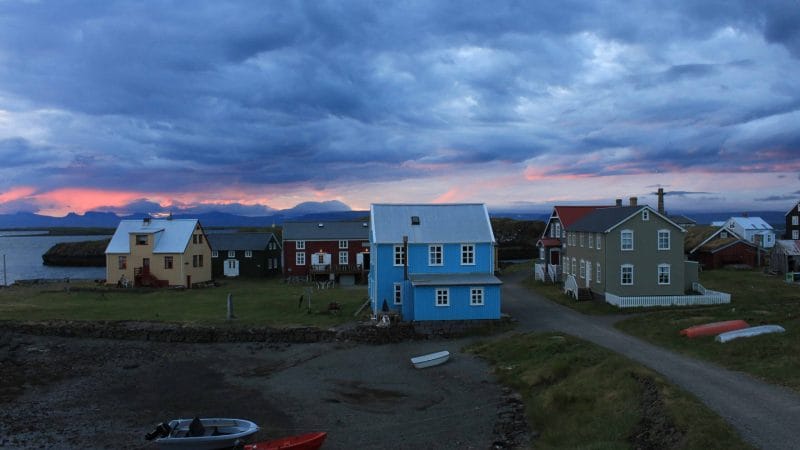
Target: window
<point>168,262</point>
<point>558,229</point>
<point>194,260</point>
<point>663,239</point>
<point>599,278</point>
<point>271,246</point>
<point>399,255</point>
<point>248,253</point>
<point>398,294</point>
<point>580,238</point>
<point>343,258</point>
<point>300,245</point>
<point>723,234</point>
<point>123,262</point>
<point>646,214</point>
<point>591,240</point>
<point>194,239</point>
<point>663,274</point>
<point>626,239</point>
<point>598,240</point>
<point>200,260</point>
<point>300,258</point>
<point>231,253</point>
<point>200,238</point>
<point>795,234</point>
<point>573,266</point>
<point>214,254</point>
<point>476,296</point>
<point>342,244</point>
<point>467,254</point>
<point>626,274</point>
<point>794,220</point>
<point>141,239</point>
<point>583,269</point>
<point>442,297</point>
<point>434,255</point>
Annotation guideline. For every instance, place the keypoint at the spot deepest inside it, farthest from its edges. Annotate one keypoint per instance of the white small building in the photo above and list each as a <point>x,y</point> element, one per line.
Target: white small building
<point>752,229</point>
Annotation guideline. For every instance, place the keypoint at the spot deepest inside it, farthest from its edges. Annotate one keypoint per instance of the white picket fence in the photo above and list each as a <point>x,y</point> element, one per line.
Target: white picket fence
<point>706,297</point>
<point>542,269</point>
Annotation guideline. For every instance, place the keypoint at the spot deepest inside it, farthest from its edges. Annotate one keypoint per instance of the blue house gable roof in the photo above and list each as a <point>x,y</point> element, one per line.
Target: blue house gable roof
<point>426,223</point>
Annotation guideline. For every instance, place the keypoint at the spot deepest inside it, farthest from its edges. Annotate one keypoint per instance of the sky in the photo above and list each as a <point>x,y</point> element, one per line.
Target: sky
<point>250,106</point>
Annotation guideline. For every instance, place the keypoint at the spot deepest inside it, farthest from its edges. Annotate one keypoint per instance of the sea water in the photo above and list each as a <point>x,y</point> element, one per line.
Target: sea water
<point>23,258</point>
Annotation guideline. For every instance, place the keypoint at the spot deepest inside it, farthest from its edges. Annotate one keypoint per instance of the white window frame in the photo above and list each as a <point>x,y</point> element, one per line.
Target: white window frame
<point>795,234</point>
<point>599,239</point>
<point>580,238</point>
<point>476,296</point>
<point>436,255</point>
<point>214,254</point>
<point>669,239</point>
<point>574,265</point>
<point>231,253</point>
<point>248,253</point>
<point>300,259</point>
<point>645,214</point>
<point>622,274</point>
<point>442,296</point>
<point>591,240</point>
<point>582,273</point>
<point>397,292</point>
<point>344,258</point>
<point>723,234</point>
<point>467,254</point>
<point>343,244</point>
<point>300,245</point>
<point>599,278</point>
<point>399,255</point>
<point>622,239</point>
<point>667,272</point>
<point>795,220</point>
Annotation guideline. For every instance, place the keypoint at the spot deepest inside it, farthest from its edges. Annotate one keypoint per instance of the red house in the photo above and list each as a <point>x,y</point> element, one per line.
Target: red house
<point>337,251</point>
<point>715,247</point>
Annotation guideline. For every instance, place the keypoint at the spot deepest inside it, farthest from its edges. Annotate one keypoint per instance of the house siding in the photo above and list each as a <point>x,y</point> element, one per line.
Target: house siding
<point>791,216</point>
<point>459,308</point>
<point>354,247</point>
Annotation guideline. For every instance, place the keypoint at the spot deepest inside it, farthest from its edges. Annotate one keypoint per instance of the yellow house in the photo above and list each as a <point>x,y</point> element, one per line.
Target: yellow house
<point>158,252</point>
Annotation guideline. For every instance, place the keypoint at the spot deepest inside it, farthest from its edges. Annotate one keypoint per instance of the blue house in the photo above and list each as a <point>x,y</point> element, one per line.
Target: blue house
<point>448,273</point>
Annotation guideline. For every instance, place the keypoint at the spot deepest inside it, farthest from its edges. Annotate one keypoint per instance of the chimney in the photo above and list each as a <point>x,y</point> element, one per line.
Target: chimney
<point>634,201</point>
<point>619,202</point>
<point>661,201</point>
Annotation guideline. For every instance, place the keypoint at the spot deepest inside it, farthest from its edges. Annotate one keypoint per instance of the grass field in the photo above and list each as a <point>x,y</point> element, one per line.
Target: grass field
<point>756,297</point>
<point>578,395</point>
<point>265,302</point>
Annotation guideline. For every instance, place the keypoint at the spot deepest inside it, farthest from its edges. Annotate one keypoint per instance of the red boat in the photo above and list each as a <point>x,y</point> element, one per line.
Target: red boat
<point>309,441</point>
<point>711,329</point>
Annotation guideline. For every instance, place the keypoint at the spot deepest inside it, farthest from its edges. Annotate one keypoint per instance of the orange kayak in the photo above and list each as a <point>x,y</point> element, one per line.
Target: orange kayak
<point>712,329</point>
<point>309,441</point>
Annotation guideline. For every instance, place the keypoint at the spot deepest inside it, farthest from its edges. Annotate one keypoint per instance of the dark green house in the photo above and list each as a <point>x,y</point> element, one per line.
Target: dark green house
<point>244,254</point>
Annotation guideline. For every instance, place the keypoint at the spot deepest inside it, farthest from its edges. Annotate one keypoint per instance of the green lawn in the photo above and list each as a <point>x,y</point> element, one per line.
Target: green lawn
<point>756,297</point>
<point>256,301</point>
<point>578,395</point>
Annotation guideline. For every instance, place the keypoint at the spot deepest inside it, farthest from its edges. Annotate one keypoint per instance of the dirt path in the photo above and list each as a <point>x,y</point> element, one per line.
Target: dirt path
<point>765,415</point>
<point>94,393</point>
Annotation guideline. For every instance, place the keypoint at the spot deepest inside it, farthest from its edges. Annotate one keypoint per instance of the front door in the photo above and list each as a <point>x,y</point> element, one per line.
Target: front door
<point>231,268</point>
<point>555,257</point>
<point>146,265</point>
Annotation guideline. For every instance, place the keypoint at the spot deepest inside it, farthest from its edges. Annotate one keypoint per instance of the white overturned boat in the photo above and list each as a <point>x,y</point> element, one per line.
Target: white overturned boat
<point>203,434</point>
<point>748,332</point>
<point>430,360</point>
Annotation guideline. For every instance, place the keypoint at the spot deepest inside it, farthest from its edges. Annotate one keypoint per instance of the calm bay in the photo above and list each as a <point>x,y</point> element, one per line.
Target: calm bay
<point>23,258</point>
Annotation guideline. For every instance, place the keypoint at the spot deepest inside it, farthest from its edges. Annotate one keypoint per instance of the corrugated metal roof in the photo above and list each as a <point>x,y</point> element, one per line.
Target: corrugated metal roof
<point>600,220</point>
<point>789,247</point>
<point>451,279</point>
<point>568,215</point>
<point>751,223</point>
<point>310,231</point>
<point>440,223</point>
<point>239,241</point>
<point>170,235</point>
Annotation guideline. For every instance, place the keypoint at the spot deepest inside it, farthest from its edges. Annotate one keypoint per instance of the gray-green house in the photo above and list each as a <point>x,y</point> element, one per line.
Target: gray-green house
<point>628,251</point>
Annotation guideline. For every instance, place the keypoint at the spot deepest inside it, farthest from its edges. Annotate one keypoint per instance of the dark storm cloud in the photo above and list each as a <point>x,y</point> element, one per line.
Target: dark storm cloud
<point>313,92</point>
<point>777,198</point>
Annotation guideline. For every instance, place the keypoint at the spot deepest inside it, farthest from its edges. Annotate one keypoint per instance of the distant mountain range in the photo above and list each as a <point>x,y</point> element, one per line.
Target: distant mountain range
<point>309,211</point>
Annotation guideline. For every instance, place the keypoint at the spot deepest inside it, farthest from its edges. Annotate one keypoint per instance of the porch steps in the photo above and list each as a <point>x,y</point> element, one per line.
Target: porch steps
<point>585,294</point>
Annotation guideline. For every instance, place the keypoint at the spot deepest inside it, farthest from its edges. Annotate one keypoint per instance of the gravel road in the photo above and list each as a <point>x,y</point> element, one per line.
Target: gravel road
<point>765,415</point>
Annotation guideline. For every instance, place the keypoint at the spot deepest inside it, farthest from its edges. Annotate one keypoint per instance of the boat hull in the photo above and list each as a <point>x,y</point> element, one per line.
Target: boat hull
<point>749,332</point>
<point>430,360</point>
<point>310,441</point>
<point>219,433</point>
<point>712,329</point>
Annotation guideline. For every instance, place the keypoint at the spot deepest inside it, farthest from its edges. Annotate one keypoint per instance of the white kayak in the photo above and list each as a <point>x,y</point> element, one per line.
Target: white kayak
<point>211,434</point>
<point>748,332</point>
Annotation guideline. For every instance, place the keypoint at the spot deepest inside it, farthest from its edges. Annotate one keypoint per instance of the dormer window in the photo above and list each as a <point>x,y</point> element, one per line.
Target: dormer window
<point>646,214</point>
<point>141,239</point>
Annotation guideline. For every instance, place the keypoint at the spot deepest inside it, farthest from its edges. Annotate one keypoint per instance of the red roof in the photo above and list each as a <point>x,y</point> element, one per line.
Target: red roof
<point>570,214</point>
<point>550,242</point>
